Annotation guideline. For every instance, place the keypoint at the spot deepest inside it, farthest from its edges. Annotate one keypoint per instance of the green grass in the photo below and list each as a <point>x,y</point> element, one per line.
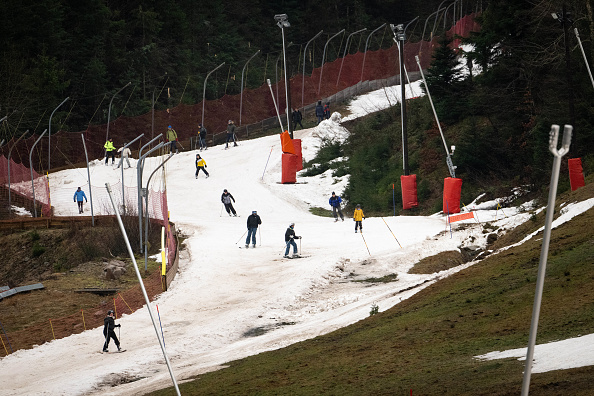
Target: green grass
<point>427,343</point>
<point>317,211</point>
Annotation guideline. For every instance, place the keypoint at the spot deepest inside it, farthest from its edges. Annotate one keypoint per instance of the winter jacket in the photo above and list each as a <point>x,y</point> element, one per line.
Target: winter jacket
<point>335,201</point>
<point>358,215</point>
<point>230,129</point>
<point>253,221</point>
<point>200,162</point>
<point>109,146</point>
<point>226,198</point>
<point>202,132</point>
<point>297,116</point>
<point>171,135</point>
<point>327,110</point>
<point>109,324</point>
<point>125,152</point>
<point>79,196</point>
<point>319,110</point>
<point>290,234</point>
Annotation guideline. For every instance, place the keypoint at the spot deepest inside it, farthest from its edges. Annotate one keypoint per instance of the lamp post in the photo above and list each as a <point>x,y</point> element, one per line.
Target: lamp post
<point>241,95</point>
<point>303,73</point>
<point>282,23</point>
<point>365,52</point>
<point>49,136</point>
<point>31,170</point>
<point>109,109</point>
<point>204,95</point>
<point>346,48</point>
<point>324,58</point>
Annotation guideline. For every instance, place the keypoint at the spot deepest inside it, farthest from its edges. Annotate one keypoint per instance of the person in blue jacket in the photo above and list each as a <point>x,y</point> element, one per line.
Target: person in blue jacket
<point>335,201</point>
<point>79,195</point>
<point>319,111</point>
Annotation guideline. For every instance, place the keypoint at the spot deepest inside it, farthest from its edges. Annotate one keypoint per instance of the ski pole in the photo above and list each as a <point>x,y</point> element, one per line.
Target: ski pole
<point>365,243</point>
<point>241,237</point>
<point>267,162</point>
<point>392,233</point>
<point>300,246</point>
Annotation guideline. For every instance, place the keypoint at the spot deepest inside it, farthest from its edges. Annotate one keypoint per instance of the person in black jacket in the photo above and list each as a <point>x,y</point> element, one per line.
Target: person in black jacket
<point>290,240</point>
<point>297,117</point>
<point>202,136</point>
<point>108,327</point>
<point>253,222</point>
<point>226,198</point>
<point>319,111</point>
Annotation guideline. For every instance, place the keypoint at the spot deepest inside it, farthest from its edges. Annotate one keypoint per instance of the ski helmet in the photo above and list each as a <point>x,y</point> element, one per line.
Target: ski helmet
<point>109,312</point>
<point>358,206</point>
<point>225,190</point>
<point>254,212</point>
<point>292,225</point>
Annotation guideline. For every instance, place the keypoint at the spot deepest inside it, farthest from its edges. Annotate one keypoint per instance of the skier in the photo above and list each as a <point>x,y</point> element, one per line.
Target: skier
<point>202,137</point>
<point>226,198</point>
<point>108,327</point>
<point>253,222</point>
<point>78,198</point>
<point>335,201</point>
<point>200,165</point>
<point>171,136</point>
<point>109,151</point>
<point>319,111</point>
<point>125,153</point>
<point>290,240</point>
<point>358,217</point>
<point>230,134</point>
<point>297,117</point>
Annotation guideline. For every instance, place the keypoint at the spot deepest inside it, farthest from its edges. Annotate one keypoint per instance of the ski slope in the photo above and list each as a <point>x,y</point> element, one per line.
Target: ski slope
<point>221,293</point>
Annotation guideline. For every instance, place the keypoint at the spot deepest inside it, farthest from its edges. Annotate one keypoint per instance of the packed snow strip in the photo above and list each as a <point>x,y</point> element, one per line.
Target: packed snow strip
<point>558,355</point>
<point>228,303</point>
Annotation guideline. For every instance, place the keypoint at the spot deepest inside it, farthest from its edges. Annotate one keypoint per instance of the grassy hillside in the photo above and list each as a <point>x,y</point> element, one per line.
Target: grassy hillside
<point>426,343</point>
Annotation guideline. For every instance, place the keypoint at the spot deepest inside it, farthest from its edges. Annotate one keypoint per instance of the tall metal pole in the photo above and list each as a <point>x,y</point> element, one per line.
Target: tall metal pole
<point>31,170</point>
<point>49,136</point>
<point>324,57</point>
<point>283,23</point>
<point>241,95</point>
<point>89,177</point>
<point>449,162</point>
<point>146,299</point>
<point>9,152</point>
<point>204,90</point>
<point>146,221</point>
<point>577,35</point>
<point>346,48</point>
<point>365,52</point>
<point>303,73</point>
<point>109,109</point>
<point>153,116</point>
<point>122,165</point>
<point>546,238</point>
<point>275,106</point>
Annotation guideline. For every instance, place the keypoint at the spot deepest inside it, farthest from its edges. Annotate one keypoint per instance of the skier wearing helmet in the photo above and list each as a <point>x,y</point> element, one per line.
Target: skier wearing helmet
<point>358,217</point>
<point>108,327</point>
<point>253,221</point>
<point>290,240</point>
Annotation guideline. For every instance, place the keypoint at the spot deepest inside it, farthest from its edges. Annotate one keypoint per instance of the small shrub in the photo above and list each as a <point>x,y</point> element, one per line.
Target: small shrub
<point>374,309</point>
<point>38,250</point>
<point>34,235</point>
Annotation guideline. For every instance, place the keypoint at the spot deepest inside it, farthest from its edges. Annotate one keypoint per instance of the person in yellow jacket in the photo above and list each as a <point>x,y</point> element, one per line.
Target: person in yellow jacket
<point>200,165</point>
<point>171,136</point>
<point>358,217</point>
<point>110,150</point>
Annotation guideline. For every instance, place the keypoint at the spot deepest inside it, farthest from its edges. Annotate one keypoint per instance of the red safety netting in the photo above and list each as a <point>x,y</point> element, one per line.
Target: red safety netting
<point>257,104</point>
<point>18,189</point>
